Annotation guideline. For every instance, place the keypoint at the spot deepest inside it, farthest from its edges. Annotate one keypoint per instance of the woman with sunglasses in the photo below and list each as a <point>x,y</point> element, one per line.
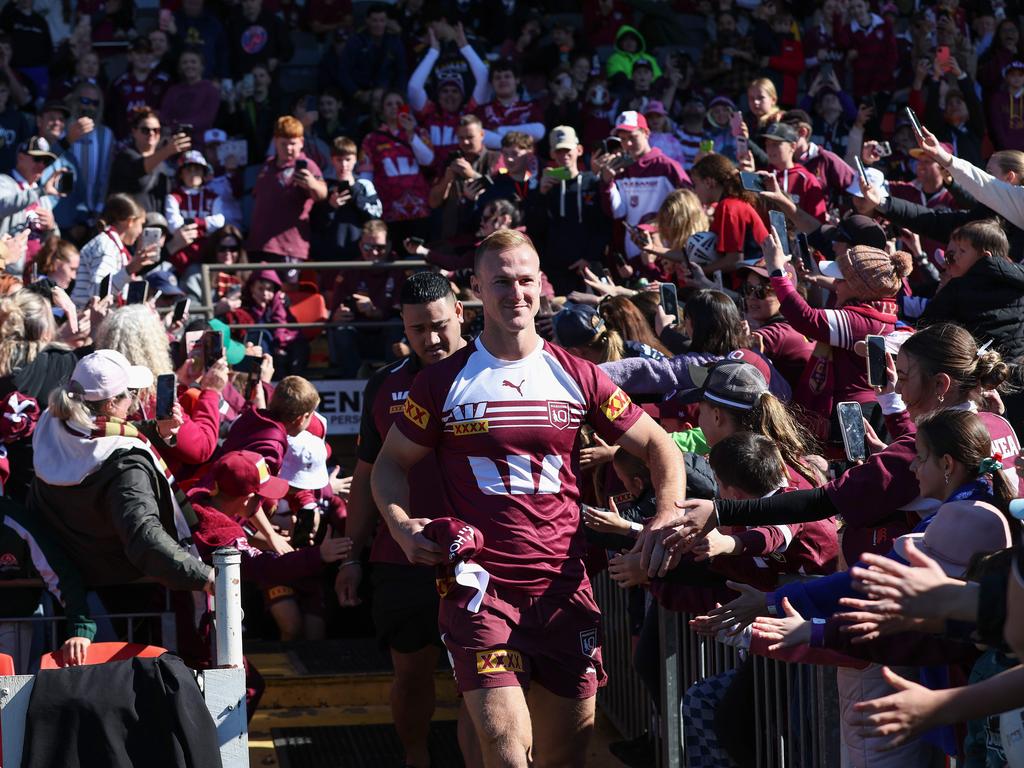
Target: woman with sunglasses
<point>140,169</point>
<point>771,334</point>
<point>225,246</point>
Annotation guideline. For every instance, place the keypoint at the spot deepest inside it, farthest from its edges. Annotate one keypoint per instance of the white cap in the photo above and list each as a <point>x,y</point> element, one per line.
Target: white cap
<point>877,180</point>
<point>305,462</point>
<point>105,374</point>
<point>193,157</point>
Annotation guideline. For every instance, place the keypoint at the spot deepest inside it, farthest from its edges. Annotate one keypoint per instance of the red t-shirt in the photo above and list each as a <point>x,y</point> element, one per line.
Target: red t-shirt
<point>505,436</point>
<point>494,114</point>
<point>399,180</point>
<point>804,188</point>
<point>738,226</point>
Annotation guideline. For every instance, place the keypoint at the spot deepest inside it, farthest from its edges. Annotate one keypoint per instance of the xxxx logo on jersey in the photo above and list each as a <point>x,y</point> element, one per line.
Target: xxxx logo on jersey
<point>415,413</point>
<point>500,660</point>
<point>615,405</point>
<point>470,427</point>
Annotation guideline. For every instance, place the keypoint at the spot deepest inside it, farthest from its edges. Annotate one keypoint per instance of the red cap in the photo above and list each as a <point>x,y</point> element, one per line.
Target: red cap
<point>240,473</point>
<point>631,120</point>
<point>460,539</point>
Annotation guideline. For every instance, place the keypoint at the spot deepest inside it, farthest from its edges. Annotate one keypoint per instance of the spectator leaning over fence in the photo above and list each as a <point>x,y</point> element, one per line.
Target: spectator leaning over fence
<point>104,490</point>
<point>537,623</point>
<point>288,185</point>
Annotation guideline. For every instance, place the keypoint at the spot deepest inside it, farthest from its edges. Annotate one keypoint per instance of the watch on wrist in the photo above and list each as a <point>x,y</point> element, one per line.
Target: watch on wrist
<point>777,273</point>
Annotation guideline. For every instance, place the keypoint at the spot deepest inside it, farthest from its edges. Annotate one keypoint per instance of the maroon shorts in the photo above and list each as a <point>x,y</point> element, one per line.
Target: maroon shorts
<point>515,639</point>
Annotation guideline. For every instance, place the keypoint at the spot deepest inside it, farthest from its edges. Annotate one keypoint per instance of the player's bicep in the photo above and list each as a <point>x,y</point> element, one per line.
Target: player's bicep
<point>639,438</point>
<point>399,451</point>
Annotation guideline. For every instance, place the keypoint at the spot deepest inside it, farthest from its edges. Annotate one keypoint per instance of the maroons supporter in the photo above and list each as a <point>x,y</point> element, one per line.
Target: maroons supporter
<point>796,181</point>
<point>506,111</point>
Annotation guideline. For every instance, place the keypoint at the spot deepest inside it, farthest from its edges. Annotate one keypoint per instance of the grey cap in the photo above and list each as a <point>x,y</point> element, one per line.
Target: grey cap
<point>781,132</point>
<point>731,383</point>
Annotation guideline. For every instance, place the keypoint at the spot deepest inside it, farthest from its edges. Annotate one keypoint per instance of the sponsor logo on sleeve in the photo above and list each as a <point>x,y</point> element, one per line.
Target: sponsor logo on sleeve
<point>615,405</point>
<point>499,660</point>
<point>415,413</point>
<point>398,400</point>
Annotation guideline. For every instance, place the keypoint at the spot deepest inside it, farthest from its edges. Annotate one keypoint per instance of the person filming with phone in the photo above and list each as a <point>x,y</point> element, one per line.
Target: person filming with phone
<point>24,202</point>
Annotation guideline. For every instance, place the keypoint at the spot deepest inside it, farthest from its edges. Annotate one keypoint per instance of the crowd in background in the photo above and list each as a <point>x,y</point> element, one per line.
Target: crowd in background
<point>643,146</point>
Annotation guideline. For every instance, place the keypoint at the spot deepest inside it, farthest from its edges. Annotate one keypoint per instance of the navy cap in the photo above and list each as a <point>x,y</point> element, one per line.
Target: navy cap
<point>577,325</point>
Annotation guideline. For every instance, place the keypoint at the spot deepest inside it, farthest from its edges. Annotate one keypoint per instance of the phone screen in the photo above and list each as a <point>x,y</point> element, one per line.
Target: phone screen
<point>669,299</point>
<point>862,173</point>
<point>104,289</point>
<point>194,347</point>
<point>137,292</point>
<point>877,375</point>
<point>166,389</point>
<point>249,364</point>
<point>180,310</point>
<point>213,347</point>
<point>851,421</point>
<point>778,222</point>
<point>752,182</point>
<point>805,252</point>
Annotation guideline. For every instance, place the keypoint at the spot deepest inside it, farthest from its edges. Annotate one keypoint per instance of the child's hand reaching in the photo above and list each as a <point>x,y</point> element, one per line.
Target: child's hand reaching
<point>715,544</point>
<point>605,520</point>
<point>333,550</point>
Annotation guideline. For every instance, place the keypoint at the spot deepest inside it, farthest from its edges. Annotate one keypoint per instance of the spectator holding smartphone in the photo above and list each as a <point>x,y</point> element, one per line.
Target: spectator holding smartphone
<point>24,203</point>
<point>337,221</point>
<point>140,168</point>
<point>456,191</point>
<point>193,99</point>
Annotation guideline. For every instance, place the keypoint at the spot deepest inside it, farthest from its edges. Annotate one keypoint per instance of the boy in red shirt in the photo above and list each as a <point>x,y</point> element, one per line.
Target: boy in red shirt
<point>796,181</point>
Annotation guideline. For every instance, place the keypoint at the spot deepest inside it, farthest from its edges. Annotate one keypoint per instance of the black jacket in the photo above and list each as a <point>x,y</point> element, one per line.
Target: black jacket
<point>988,301</point>
<point>137,712</point>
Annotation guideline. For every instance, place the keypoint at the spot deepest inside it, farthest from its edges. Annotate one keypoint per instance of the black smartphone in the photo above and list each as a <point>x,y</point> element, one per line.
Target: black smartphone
<point>851,422</point>
<point>180,310</point>
<point>249,364</point>
<point>303,533</point>
<point>752,182</point>
<point>65,183</point>
<point>862,173</point>
<point>137,292</point>
<point>877,374</point>
<point>778,222</point>
<point>301,164</point>
<point>611,144</point>
<point>104,289</point>
<point>213,347</point>
<point>185,128</point>
<point>805,252</point>
<point>166,389</point>
<point>669,299</point>
<point>914,122</point>
<point>417,241</point>
<point>344,186</point>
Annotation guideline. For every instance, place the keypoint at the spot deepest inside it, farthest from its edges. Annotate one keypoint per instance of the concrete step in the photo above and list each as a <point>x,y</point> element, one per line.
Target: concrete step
<point>301,717</point>
<point>353,690</point>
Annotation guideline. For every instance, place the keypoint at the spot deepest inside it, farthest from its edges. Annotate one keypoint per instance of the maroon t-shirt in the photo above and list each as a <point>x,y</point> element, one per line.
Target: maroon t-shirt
<point>505,436</point>
<point>383,403</point>
<point>280,216</point>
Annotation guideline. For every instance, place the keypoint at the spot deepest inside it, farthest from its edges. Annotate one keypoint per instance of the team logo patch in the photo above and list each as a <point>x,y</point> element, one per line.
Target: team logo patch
<point>559,415</point>
<point>615,405</point>
<point>415,413</point>
<point>470,428</point>
<point>588,642</point>
<point>396,409</point>
<point>500,660</point>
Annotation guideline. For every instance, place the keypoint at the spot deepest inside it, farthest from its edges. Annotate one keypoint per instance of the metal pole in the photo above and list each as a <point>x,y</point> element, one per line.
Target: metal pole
<point>227,563</point>
<point>671,721</point>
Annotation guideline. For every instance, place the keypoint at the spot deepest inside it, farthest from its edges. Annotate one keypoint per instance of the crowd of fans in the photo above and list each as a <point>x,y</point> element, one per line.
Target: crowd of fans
<point>649,150</point>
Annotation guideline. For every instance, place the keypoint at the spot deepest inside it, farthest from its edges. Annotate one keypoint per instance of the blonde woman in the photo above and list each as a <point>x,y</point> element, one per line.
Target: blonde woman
<point>137,333</point>
<point>32,361</point>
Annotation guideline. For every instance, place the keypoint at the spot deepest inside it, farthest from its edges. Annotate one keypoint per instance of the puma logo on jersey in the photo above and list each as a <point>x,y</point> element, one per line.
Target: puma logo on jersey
<point>516,387</point>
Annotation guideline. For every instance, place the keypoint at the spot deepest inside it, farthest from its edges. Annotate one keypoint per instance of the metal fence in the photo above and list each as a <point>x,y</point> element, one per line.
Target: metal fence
<point>796,711</point>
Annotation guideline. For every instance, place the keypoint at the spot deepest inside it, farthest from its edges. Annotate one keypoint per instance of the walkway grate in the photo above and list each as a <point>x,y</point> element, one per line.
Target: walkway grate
<point>359,746</point>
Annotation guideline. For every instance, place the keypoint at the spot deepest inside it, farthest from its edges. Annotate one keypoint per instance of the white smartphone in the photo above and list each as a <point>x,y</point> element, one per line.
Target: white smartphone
<point>851,423</point>
<point>150,236</point>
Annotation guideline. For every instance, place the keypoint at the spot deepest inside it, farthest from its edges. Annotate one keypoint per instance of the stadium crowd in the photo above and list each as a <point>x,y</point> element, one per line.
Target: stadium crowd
<point>725,299</point>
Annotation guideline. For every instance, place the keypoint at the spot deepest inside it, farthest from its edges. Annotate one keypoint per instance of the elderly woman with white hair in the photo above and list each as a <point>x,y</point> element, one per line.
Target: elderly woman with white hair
<point>103,490</point>
<point>190,438</point>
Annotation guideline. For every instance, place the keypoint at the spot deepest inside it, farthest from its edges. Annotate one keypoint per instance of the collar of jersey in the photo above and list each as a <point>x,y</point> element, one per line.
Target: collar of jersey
<point>499,363</point>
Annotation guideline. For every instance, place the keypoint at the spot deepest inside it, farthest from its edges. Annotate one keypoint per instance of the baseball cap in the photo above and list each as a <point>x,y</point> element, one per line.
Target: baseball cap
<point>563,137</point>
<point>55,105</point>
<point>458,538</point>
<point>576,325</point>
<point>701,247</point>
<point>722,101</point>
<point>452,78</point>
<point>655,107</point>
<point>37,146</point>
<point>959,531</point>
<point>157,219</point>
<point>732,383</point>
<point>876,179</point>
<point>305,462</point>
<point>105,374</point>
<point>163,281</point>
<point>192,157</point>
<point>855,230</point>
<point>781,132</point>
<point>214,136</point>
<point>1015,64</point>
<point>239,473</point>
<point>757,266</point>
<point>631,120</point>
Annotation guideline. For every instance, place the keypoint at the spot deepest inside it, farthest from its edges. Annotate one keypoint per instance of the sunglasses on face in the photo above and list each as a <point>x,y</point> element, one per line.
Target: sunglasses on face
<point>228,248</point>
<point>152,130</point>
<point>85,101</point>
<point>759,291</point>
<point>370,248</point>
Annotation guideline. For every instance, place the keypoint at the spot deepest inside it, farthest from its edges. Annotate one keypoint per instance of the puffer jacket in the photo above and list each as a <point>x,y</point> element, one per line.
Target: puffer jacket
<point>988,301</point>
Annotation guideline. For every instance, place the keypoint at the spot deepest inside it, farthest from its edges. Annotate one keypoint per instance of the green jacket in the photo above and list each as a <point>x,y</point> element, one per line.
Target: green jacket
<point>621,62</point>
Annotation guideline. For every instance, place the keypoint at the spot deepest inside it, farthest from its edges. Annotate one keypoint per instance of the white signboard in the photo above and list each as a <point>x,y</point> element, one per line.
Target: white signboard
<point>341,404</point>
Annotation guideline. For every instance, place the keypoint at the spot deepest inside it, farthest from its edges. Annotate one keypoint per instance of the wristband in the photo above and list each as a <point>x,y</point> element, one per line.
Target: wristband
<point>350,562</point>
<point>817,633</point>
<point>771,604</point>
<point>635,527</point>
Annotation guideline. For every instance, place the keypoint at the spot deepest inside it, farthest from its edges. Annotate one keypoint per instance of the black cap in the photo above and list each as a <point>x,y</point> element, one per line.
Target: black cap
<point>795,116</point>
<point>37,146</point>
<point>577,325</point>
<point>730,383</point>
<point>855,230</point>
<point>55,105</point>
<point>781,132</point>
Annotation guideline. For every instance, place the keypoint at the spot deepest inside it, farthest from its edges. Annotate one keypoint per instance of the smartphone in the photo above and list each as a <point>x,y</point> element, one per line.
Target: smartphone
<point>104,289</point>
<point>213,347</point>
<point>669,299</point>
<point>736,123</point>
<point>301,164</point>
<point>559,173</point>
<point>942,57</point>
<point>611,144</point>
<point>752,182</point>
<point>804,249</point>
<point>166,389</point>
<point>248,82</point>
<point>33,273</point>
<point>851,422</point>
<point>877,374</point>
<point>137,292</point>
<point>180,310</point>
<point>884,149</point>
<point>707,146</point>
<point>344,186</point>
<point>605,276</point>
<point>194,347</point>
<point>310,104</point>
<point>778,222</point>
<point>65,183</point>
<point>185,128</point>
<point>862,173</point>
<point>914,122</point>
<point>545,306</point>
<point>417,241</point>
<point>250,364</point>
<point>826,69</point>
<point>150,236</point>
<point>403,109</point>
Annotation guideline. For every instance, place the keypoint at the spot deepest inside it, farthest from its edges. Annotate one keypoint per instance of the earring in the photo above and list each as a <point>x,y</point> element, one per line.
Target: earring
<point>946,478</point>
<point>942,398</point>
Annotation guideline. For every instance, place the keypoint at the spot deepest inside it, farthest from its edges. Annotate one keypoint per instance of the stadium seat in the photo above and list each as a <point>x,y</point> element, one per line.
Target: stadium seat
<point>6,664</point>
<point>100,653</point>
<point>307,305</point>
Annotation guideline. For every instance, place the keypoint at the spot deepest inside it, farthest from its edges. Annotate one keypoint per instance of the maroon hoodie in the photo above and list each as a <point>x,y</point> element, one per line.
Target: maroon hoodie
<point>255,431</point>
